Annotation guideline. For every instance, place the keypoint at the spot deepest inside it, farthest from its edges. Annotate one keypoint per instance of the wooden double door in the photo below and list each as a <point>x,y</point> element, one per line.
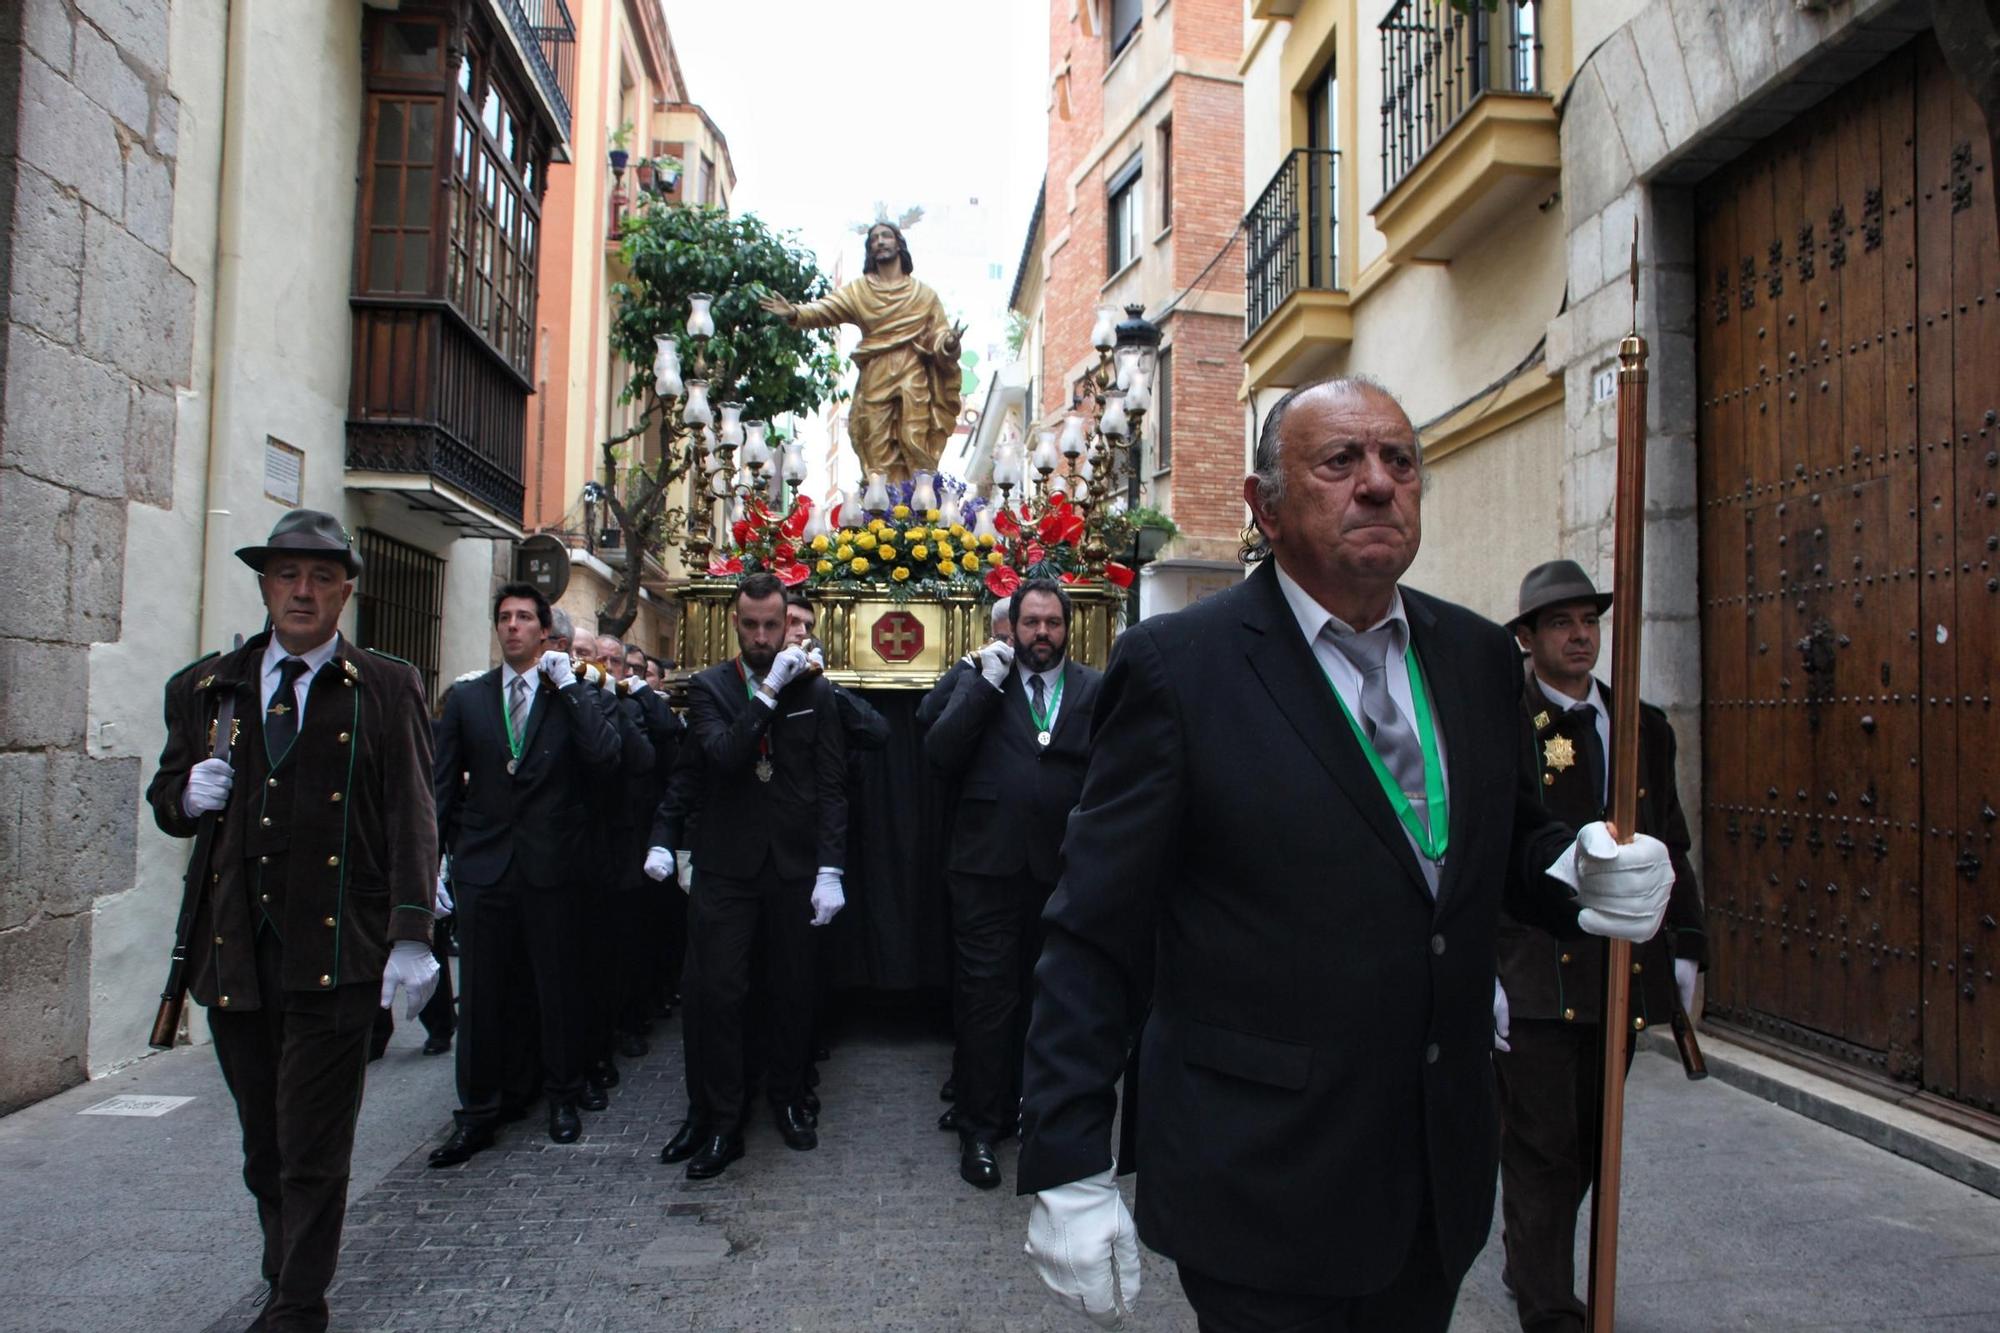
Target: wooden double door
<point>1848,316</point>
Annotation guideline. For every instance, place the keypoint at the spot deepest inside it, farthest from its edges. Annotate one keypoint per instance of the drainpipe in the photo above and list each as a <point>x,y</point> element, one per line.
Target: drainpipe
<point>218,563</point>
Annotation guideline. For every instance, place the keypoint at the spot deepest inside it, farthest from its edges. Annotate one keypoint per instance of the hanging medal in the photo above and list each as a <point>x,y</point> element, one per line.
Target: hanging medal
<point>515,743</point>
<point>1044,720</point>
<point>763,768</point>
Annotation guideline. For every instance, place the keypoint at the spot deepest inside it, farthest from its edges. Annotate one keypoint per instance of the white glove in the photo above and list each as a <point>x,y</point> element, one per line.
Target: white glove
<point>444,905</point>
<point>659,864</point>
<point>634,685</point>
<point>207,787</point>
<point>789,664</point>
<point>411,966</point>
<point>686,862</point>
<point>994,659</point>
<point>1503,1021</point>
<point>816,658</point>
<point>1085,1249</point>
<point>1622,888</point>
<point>828,897</point>
<point>1685,971</point>
<point>590,674</point>
<point>558,668</point>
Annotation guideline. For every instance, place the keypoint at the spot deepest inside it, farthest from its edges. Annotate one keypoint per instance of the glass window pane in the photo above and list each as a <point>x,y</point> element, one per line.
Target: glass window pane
<point>385,208</point>
<point>465,73</point>
<point>417,194</point>
<point>423,132</point>
<point>416,261</point>
<point>389,131</point>
<point>489,115</point>
<point>382,261</point>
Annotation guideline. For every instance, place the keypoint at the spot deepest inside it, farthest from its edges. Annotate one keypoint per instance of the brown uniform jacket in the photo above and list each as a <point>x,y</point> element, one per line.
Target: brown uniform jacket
<point>353,868</point>
<point>1563,979</point>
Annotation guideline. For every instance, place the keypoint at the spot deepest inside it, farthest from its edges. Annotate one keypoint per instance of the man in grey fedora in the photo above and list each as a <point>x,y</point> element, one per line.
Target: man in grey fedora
<point>318,890</point>
<point>1548,1014</point>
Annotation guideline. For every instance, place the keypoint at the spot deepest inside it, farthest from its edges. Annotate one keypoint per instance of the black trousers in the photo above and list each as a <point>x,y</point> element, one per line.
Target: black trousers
<point>439,1014</point>
<point>1417,1299</point>
<point>520,978</point>
<point>727,918</point>
<point>996,926</point>
<point>294,1067</point>
<point>1550,1126</point>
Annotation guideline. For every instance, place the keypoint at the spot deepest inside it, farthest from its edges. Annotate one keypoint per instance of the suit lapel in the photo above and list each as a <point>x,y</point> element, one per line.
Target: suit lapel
<point>1291,674</point>
<point>1447,688</point>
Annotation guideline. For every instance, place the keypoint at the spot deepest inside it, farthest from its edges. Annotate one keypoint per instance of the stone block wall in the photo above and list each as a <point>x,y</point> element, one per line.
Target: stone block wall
<point>96,332</point>
<point>1682,89</point>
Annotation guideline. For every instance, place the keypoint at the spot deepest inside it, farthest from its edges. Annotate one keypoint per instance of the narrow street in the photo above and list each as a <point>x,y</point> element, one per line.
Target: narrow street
<point>1738,1215</point>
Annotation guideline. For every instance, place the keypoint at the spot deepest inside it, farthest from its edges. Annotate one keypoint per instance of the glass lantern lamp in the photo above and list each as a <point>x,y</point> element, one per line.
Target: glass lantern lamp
<point>666,367</point>
<point>923,495</point>
<point>1139,398</point>
<point>1074,435</point>
<point>1115,424</point>
<point>701,324</point>
<point>756,453</point>
<point>730,430</point>
<point>875,499</point>
<point>1047,457</point>
<point>695,411</point>
<point>1104,333</point>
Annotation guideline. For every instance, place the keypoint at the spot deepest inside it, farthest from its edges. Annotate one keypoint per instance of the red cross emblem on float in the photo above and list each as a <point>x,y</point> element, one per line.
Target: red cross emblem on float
<point>897,637</point>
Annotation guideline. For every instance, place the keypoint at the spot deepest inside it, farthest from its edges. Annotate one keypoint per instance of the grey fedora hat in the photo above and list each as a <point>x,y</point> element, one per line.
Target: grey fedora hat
<point>1554,584</point>
<point>305,532</point>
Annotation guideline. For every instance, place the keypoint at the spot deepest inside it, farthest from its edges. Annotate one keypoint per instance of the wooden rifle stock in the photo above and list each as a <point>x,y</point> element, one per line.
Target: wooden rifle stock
<point>1685,1043</point>
<point>194,889</point>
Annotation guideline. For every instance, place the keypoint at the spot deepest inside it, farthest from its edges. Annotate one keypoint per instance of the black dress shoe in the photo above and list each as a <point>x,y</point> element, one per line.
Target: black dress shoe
<point>715,1154</point>
<point>460,1147</point>
<point>686,1140</point>
<point>631,1045</point>
<point>592,1098</point>
<point>565,1126</point>
<point>976,1165</point>
<point>949,1120</point>
<point>795,1126</point>
<point>602,1074</point>
<point>437,1045</point>
<point>949,1092</point>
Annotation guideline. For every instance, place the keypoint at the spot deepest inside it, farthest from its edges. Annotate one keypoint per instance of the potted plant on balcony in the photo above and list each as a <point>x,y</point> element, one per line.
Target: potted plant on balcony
<point>620,155</point>
<point>666,174</point>
<point>1151,531</point>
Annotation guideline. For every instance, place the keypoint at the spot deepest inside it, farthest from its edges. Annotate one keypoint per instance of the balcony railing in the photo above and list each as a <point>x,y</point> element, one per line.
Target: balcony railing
<point>548,35</point>
<point>1293,234</point>
<point>1437,61</point>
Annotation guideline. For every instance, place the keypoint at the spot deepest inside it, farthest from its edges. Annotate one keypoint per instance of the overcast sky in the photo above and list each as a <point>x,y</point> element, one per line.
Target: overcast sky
<point>831,105</point>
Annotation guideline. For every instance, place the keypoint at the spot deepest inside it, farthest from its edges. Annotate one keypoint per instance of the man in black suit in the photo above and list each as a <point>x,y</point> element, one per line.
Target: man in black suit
<point>1551,1068</point>
<point>518,751</point>
<point>770,842</point>
<point>932,706</point>
<point>1305,798</point>
<point>1015,737</point>
<point>661,939</point>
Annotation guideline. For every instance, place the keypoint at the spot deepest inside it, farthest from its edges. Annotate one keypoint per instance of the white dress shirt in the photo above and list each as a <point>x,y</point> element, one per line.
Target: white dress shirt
<point>1050,696</point>
<point>1346,677</point>
<point>274,657</point>
<point>1595,698</point>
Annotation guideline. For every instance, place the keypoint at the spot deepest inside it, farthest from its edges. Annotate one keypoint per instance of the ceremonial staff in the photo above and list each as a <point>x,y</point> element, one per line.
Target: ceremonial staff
<point>1626,606</point>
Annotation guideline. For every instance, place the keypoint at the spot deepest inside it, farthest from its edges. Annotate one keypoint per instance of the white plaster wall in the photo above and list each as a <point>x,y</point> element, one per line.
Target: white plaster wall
<point>1487,516</point>
<point>132,931</point>
<point>1263,103</point>
<point>1439,334</point>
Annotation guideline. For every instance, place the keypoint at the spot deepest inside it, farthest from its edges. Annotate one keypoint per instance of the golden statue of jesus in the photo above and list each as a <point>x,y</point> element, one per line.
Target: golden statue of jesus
<point>906,400</point>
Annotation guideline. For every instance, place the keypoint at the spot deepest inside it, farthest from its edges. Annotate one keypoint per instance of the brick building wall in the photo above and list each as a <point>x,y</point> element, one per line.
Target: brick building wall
<point>1189,50</point>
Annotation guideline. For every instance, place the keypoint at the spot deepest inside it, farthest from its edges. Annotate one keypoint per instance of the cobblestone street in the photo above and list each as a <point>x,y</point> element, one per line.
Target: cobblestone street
<point>1739,1214</point>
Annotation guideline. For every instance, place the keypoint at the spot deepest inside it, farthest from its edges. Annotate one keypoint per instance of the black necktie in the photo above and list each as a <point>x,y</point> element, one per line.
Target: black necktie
<point>1593,750</point>
<point>281,715</point>
<point>1039,696</point>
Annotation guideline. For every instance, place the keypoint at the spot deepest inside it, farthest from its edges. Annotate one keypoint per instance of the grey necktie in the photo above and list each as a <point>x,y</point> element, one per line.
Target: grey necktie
<point>1393,737</point>
<point>517,705</point>
<point>1039,697</point>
